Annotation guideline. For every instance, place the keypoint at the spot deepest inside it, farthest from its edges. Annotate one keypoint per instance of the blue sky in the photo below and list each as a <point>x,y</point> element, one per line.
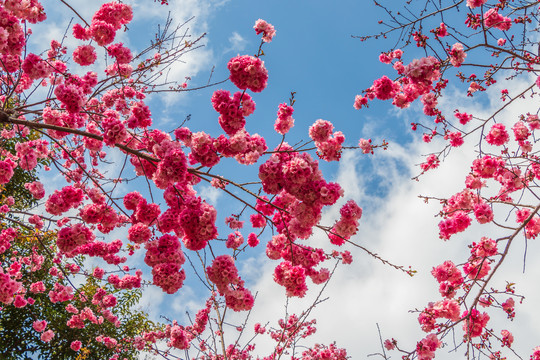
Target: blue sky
<point>314,55</point>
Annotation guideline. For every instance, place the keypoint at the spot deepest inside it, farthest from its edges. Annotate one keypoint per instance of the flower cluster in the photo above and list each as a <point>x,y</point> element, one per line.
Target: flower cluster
<point>457,55</point>
<point>347,225</point>
<point>492,18</point>
<point>328,144</point>
<point>449,277</point>
<point>232,110</point>
<point>165,256</point>
<point>105,22</point>
<point>284,121</point>
<point>224,274</point>
<point>266,29</point>
<point>474,322</point>
<point>248,72</point>
<point>61,201</point>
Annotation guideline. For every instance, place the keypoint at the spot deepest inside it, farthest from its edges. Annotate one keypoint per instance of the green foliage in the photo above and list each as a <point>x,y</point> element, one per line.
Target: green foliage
<point>18,340</point>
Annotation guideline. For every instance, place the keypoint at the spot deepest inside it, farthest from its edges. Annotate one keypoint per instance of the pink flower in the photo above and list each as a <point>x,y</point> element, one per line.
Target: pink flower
<point>432,162</point>
<point>6,171</point>
<point>366,146</point>
<point>426,347</point>
<point>252,240</point>
<point>75,345</point>
<point>384,88</point>
<point>120,53</point>
<point>321,130</point>
<point>103,33</point>
<point>389,344</point>
<point>284,121</point>
<point>39,326</point>
<point>441,31</point>
<point>47,336</point>
<point>266,29</point>
<point>474,322</point>
<point>475,3</point>
<point>85,55</point>
<point>457,55</point>
<point>360,101</point>
<point>248,72</point>
<point>507,338</point>
<point>492,18</point>
<point>293,278</point>
<point>455,138</point>
<point>497,135</point>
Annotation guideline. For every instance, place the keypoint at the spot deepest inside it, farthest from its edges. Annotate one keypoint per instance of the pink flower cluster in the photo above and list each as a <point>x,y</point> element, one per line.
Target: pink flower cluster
<point>71,96</point>
<point>330,352</point>
<point>305,189</point>
<point>101,214</point>
<point>224,274</point>
<point>107,251</point>
<point>457,55</point>
<point>61,201</point>
<point>29,152</point>
<point>232,110</point>
<point>12,39</point>
<point>165,256</point>
<point>173,165</point>
<point>492,18</point>
<point>425,348</point>
<point>449,277</point>
<point>366,146</point>
<point>60,293</point>
<point>447,309</point>
<point>140,116</point>
<point>347,225</point>
<point>114,130</point>
<point>284,121</point>
<point>478,265</point>
<point>266,29</point>
<point>417,80</point>
<point>8,287</point>
<point>498,135</point>
<point>474,322</point>
<point>69,238</point>
<point>475,3</point>
<point>457,208</point>
<point>292,277</point>
<point>432,162</point>
<point>202,146</point>
<point>6,170</point>
<point>105,22</point>
<point>457,222</point>
<point>6,238</point>
<point>248,72</point>
<point>463,118</point>
<point>84,55</point>
<point>328,144</point>
<point>139,233</point>
<point>291,330</point>
<point>245,148</point>
<point>120,53</point>
<point>35,67</point>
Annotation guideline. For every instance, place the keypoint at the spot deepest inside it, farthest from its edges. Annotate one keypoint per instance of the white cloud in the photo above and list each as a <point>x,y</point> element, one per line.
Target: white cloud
<point>237,43</point>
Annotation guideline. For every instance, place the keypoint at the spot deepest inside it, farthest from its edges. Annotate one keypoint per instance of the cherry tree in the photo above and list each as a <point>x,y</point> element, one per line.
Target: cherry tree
<point>470,46</point>
<point>67,121</point>
<point>76,282</point>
